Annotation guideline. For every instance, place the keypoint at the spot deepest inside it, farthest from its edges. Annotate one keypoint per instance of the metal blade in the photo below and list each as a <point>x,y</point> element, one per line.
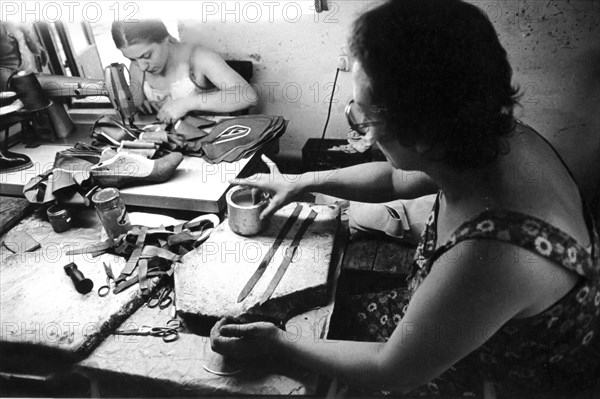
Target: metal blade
<point>265,262</point>
<point>289,254</point>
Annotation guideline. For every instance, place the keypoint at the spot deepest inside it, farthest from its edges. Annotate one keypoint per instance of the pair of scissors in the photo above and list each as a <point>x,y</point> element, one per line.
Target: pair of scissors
<point>162,298</point>
<point>168,333</point>
<point>105,289</point>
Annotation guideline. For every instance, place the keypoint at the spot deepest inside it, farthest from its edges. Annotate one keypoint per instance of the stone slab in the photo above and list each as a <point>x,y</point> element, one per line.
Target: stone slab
<point>209,280</point>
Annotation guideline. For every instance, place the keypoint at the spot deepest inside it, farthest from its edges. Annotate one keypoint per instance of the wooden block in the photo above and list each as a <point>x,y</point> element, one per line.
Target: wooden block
<point>42,313</point>
<point>20,241</point>
<point>393,258</point>
<point>360,255</point>
<point>209,280</point>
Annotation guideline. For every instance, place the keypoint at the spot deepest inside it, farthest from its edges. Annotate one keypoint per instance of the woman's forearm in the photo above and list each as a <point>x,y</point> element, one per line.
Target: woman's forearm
<point>369,182</point>
<point>358,363</point>
<point>351,361</point>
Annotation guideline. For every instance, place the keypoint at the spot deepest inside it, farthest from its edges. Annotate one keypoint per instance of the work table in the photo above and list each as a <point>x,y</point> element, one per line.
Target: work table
<point>173,368</point>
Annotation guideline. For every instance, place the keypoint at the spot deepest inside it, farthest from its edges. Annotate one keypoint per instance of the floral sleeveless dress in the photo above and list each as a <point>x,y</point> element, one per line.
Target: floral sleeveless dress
<point>553,350</point>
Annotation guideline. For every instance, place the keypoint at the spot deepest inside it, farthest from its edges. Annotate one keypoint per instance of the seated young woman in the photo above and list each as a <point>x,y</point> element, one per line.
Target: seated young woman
<point>173,78</point>
<point>505,284</point>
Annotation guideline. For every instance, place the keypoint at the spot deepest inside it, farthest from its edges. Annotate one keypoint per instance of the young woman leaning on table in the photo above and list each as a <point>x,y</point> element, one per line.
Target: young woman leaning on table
<point>505,285</point>
<point>176,78</point>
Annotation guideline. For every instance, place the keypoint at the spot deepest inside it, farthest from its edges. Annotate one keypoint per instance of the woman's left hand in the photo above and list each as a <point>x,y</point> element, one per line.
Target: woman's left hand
<point>173,110</point>
<point>243,341</point>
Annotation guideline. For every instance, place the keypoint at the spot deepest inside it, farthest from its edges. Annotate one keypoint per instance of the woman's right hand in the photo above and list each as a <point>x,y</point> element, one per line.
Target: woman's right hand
<point>282,189</point>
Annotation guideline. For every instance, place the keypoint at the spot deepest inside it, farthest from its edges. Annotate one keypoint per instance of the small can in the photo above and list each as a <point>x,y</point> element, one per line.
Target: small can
<point>243,212</point>
<point>112,212</point>
<point>59,218</point>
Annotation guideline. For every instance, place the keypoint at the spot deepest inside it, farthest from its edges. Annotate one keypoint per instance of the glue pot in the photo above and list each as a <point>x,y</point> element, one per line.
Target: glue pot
<point>111,211</point>
<point>244,211</point>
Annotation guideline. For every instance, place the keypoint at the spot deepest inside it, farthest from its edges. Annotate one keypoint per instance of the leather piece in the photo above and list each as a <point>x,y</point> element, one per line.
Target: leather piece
<point>68,180</point>
<point>143,275</point>
<point>111,131</point>
<point>236,138</point>
<point>135,256</point>
<point>289,255</point>
<point>188,131</point>
<point>91,249</point>
<point>151,252</point>
<point>20,241</point>
<point>269,255</point>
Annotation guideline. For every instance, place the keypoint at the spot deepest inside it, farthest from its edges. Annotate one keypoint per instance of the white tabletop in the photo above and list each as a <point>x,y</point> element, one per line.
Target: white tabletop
<point>196,184</point>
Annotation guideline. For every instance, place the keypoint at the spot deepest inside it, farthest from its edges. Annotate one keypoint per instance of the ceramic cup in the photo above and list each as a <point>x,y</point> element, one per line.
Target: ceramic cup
<point>243,213</point>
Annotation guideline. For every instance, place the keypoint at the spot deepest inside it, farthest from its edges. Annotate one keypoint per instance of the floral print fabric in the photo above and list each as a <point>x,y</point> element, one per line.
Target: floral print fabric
<point>552,350</point>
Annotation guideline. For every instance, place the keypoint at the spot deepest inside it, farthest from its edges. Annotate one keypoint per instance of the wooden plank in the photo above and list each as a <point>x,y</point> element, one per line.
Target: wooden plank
<point>393,258</point>
<point>360,255</point>
<point>12,211</point>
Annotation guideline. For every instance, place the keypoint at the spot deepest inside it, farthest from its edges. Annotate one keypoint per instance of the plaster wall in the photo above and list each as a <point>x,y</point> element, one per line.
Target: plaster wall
<point>553,47</point>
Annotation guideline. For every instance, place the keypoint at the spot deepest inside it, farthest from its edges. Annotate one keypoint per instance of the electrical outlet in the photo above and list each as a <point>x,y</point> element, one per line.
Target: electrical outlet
<point>343,63</point>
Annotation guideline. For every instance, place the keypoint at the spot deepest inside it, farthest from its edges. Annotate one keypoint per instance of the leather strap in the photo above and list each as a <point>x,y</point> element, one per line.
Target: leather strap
<point>92,249</point>
<point>143,274</point>
<point>152,252</point>
<point>289,255</point>
<point>135,256</point>
<point>135,279</point>
<point>269,255</point>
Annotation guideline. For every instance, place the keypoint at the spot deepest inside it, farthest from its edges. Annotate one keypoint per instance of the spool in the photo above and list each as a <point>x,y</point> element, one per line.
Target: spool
<point>29,90</point>
<point>243,213</point>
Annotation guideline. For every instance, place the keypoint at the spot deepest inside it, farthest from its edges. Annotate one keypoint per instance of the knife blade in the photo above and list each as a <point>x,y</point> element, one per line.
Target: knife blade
<point>289,255</point>
<point>269,255</point>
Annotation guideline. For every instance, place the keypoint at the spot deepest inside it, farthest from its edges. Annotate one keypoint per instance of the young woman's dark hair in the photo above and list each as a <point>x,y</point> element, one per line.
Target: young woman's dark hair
<point>147,31</point>
<point>441,73</point>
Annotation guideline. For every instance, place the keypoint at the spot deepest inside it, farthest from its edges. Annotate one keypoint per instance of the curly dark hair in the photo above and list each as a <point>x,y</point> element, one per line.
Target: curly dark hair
<point>438,68</point>
<point>145,31</point>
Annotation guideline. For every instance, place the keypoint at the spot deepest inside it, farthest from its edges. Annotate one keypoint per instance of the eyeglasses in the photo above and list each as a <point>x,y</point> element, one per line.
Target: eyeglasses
<point>354,115</point>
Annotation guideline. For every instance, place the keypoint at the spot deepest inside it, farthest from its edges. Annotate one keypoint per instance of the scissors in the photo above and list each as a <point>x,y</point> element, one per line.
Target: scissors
<point>105,289</point>
<point>162,298</point>
<point>168,333</point>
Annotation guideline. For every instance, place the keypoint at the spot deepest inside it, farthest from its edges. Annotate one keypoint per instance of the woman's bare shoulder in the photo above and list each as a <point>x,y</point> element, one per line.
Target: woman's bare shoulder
<point>539,183</point>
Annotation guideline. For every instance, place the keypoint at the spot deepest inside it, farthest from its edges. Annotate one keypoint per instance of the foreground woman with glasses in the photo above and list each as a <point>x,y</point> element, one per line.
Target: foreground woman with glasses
<point>505,285</point>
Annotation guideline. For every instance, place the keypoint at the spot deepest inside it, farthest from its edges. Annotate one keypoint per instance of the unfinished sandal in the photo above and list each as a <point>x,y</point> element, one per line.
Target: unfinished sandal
<point>126,169</point>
